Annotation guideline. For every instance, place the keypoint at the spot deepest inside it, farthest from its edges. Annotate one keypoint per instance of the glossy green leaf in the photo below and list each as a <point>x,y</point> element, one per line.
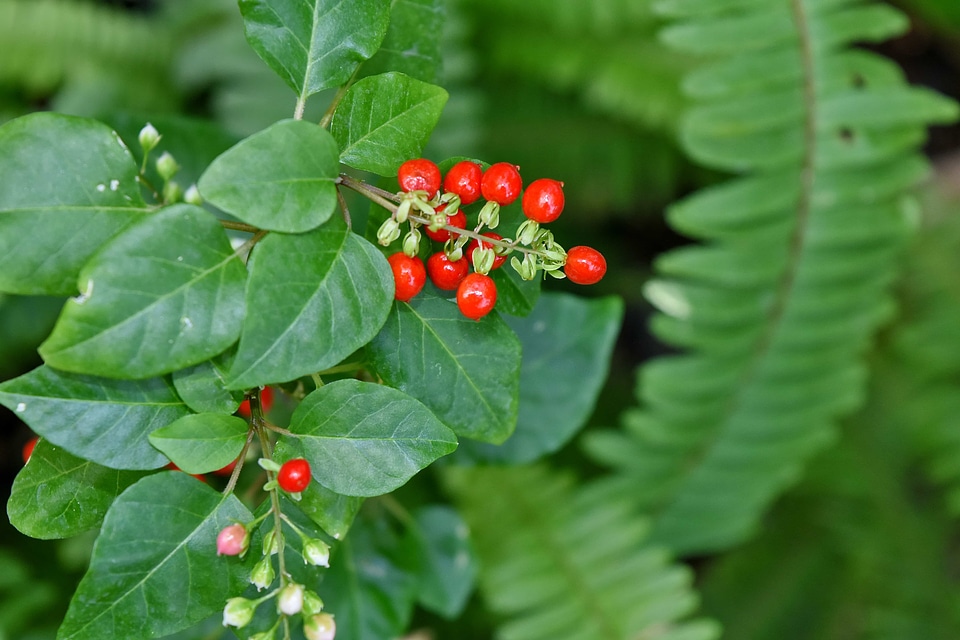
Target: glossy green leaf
<point>50,225</point>
<point>370,593</point>
<point>281,178</point>
<point>314,299</point>
<point>314,44</point>
<point>365,439</point>
<point>57,495</point>
<point>385,120</point>
<point>438,545</point>
<point>203,442</point>
<point>567,342</point>
<point>412,43</point>
<point>165,294</point>
<point>204,388</point>
<point>515,296</point>
<point>103,420</point>
<point>467,372</point>
<point>334,512</point>
<point>154,569</point>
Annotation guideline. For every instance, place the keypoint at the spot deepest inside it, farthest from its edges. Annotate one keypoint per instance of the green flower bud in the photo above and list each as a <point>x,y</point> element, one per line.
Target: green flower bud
<point>149,138</point>
<point>411,243</point>
<point>316,552</point>
<point>483,260</point>
<point>271,543</point>
<point>403,212</point>
<point>172,192</point>
<point>268,465</point>
<point>312,604</point>
<point>270,634</point>
<point>167,167</point>
<point>238,612</point>
<point>192,196</point>
<point>388,232</point>
<point>262,575</point>
<point>527,232</point>
<point>490,214</point>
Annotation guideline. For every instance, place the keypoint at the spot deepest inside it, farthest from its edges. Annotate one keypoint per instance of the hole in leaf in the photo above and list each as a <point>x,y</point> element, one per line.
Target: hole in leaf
<point>846,134</point>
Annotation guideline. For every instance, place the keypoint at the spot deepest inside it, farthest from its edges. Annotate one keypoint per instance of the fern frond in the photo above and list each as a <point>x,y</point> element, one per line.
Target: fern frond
<point>779,303</point>
<point>558,563</point>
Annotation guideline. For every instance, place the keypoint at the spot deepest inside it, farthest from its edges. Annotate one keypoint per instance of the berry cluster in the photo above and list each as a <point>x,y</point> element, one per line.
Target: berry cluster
<point>432,201</point>
<point>293,476</point>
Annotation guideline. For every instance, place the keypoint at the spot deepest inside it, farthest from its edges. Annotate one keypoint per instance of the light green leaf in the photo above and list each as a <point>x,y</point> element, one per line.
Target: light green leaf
<point>57,495</point>
<point>385,120</point>
<point>412,43</point>
<point>314,299</point>
<point>466,372</point>
<point>154,568</point>
<point>165,294</point>
<point>314,44</point>
<point>365,439</point>
<point>103,420</point>
<point>203,442</point>
<point>567,342</point>
<point>50,224</point>
<point>203,387</point>
<point>281,178</point>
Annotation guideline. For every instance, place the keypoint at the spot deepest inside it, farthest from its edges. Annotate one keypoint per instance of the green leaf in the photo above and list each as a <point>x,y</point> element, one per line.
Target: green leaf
<point>466,372</point>
<point>315,44</point>
<point>203,442</point>
<point>314,299</point>
<point>567,342</point>
<point>103,420</point>
<point>386,120</point>
<point>438,543</point>
<point>154,568</point>
<point>281,178</point>
<point>69,184</point>
<point>57,495</point>
<point>412,43</point>
<point>203,387</point>
<point>370,594</point>
<point>365,439</point>
<point>333,511</point>
<point>165,294</point>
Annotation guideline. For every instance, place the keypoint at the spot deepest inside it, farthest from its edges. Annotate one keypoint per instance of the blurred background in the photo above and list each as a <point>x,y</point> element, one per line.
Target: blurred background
<point>577,90</point>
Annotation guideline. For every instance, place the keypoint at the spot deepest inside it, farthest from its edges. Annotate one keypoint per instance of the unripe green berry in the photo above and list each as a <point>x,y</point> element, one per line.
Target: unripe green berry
<point>167,166</point>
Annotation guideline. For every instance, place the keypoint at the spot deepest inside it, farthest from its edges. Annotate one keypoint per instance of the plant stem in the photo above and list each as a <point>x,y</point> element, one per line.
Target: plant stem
<point>301,105</point>
<point>238,226</point>
<point>344,209</point>
<point>236,470</point>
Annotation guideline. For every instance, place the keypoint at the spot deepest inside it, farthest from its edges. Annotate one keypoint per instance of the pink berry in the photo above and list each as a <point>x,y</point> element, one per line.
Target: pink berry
<point>232,540</point>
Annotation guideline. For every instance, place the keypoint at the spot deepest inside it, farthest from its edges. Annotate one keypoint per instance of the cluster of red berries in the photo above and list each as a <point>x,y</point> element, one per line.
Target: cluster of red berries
<point>444,222</point>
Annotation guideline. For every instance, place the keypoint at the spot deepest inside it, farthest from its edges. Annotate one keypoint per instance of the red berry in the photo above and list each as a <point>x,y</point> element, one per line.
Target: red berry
<point>498,260</point>
<point>476,295</point>
<point>464,179</point>
<point>198,476</point>
<point>459,220</point>
<point>227,470</point>
<point>266,401</point>
<point>294,475</point>
<point>585,265</point>
<point>409,276</point>
<point>419,175</point>
<point>28,448</point>
<point>543,200</point>
<point>501,183</point>
<point>446,274</point>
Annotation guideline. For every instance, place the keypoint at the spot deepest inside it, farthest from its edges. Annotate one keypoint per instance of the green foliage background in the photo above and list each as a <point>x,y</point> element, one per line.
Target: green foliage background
<point>796,473</point>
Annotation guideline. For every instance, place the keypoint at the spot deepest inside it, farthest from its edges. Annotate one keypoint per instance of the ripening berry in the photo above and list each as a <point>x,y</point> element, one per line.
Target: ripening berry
<point>501,183</point>
<point>233,540</point>
<point>585,265</point>
<point>498,259</point>
<point>320,627</point>
<point>445,273</point>
<point>459,220</point>
<point>290,600</point>
<point>409,276</point>
<point>28,448</point>
<point>543,200</point>
<point>464,179</point>
<point>266,401</point>
<point>476,296</point>
<point>294,475</point>
<point>238,612</point>
<point>419,175</point>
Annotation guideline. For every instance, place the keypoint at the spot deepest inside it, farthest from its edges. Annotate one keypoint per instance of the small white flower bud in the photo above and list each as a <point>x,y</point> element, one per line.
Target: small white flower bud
<point>312,604</point>
<point>316,552</point>
<point>149,138</point>
<point>192,196</point>
<point>238,612</point>
<point>290,600</point>
<point>167,166</point>
<point>262,575</point>
<point>320,627</point>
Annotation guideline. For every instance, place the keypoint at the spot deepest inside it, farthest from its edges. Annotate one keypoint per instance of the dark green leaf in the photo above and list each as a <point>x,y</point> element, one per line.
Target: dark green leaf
<point>203,442</point>
<point>567,342</point>
<point>154,569</point>
<point>385,120</point>
<point>281,178</point>
<point>438,543</point>
<point>412,44</point>
<point>203,387</point>
<point>165,294</point>
<point>58,495</point>
<point>314,299</point>
<point>103,420</point>
<point>69,184</point>
<point>365,439</point>
<point>315,44</point>
<point>466,372</point>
